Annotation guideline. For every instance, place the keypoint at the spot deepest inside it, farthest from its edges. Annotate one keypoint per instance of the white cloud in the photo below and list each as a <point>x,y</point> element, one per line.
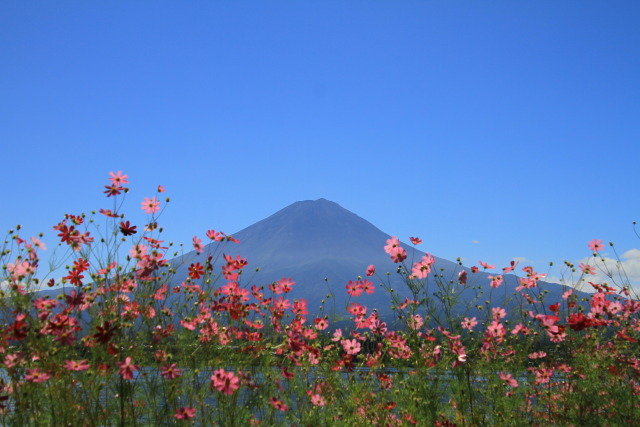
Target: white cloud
<point>475,242</point>
<point>614,272</point>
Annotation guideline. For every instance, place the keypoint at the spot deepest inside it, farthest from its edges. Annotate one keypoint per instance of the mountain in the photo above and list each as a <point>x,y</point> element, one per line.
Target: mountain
<point>321,246</point>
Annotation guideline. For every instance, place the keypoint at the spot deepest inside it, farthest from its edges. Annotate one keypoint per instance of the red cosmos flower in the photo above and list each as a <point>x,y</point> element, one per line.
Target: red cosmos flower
<point>127,229</point>
<point>81,265</point>
<point>300,307</point>
<point>623,335</point>
<point>185,413</point>
<point>170,371</point>
<point>578,322</point>
<point>75,277</point>
<point>127,368</point>
<point>196,271</point>
<point>113,190</point>
<point>215,236</point>
<point>225,382</point>
<point>415,240</point>
<point>596,245</point>
<point>286,284</point>
<point>474,269</point>
<point>278,404</point>
<point>76,365</point>
<point>66,232</point>
<point>409,418</point>
<point>105,332</point>
<point>462,277</point>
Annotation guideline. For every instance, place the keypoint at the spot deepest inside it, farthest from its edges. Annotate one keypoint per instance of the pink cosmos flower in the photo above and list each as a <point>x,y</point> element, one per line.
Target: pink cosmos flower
<point>498,313</point>
<point>321,323</point>
<point>538,355</point>
<point>469,323</point>
<point>423,267</point>
<point>415,321</point>
<point>508,379</point>
<point>511,267</point>
<point>12,360</point>
<point>354,289</point>
<point>398,255</point>
<point>73,365</point>
<point>371,270</point>
<point>367,286</point>
<point>225,382</point>
<point>318,400</point>
<point>36,376</point>
<point>487,266</point>
<point>118,178</point>
<point>20,268</point>
<point>38,244</point>
<point>197,244</point>
<point>392,243</point>
<point>185,413</point>
<point>495,281</point>
<point>160,189</point>
<point>278,404</point>
<point>393,248</point>
<point>127,368</point>
<point>138,251</point>
<point>596,245</point>
<point>351,346</point>
<point>150,206</point>
<point>587,269</point>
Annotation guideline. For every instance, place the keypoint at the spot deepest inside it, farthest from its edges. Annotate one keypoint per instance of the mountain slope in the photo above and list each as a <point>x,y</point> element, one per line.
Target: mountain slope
<point>322,246</point>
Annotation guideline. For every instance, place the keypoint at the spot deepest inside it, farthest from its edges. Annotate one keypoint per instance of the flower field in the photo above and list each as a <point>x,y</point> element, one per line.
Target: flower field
<point>122,346</point>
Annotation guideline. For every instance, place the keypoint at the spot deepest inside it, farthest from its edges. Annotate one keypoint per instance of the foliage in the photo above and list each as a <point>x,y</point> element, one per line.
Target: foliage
<point>120,346</point>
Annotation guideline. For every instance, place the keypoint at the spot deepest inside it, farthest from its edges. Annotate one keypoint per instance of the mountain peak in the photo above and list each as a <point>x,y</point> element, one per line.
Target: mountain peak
<point>309,227</point>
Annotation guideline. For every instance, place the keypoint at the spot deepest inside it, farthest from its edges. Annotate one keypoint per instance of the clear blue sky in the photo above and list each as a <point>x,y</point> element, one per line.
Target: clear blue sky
<point>492,130</point>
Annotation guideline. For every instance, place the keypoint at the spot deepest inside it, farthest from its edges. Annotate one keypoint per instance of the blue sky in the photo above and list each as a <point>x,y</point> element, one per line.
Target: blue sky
<point>492,130</point>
